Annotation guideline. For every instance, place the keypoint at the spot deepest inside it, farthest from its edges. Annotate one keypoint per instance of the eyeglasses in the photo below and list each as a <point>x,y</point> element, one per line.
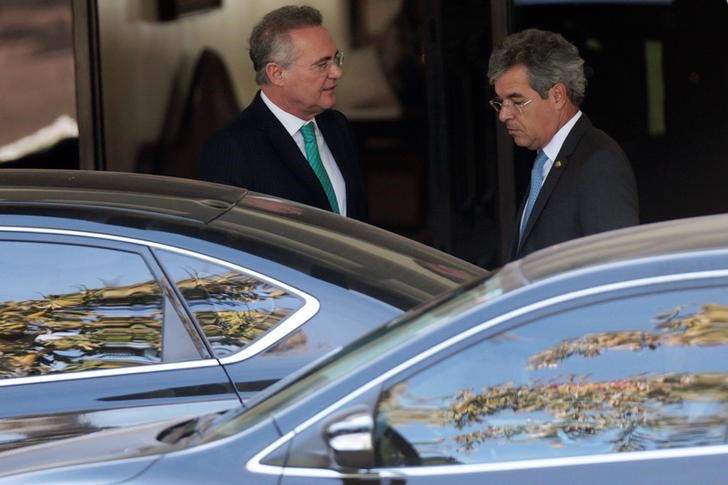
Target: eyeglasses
<point>324,66</point>
<point>498,104</point>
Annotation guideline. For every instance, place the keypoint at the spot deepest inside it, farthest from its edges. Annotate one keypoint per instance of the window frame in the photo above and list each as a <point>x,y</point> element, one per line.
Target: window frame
<point>145,249</point>
<point>288,325</point>
<point>547,312</point>
<point>171,323</point>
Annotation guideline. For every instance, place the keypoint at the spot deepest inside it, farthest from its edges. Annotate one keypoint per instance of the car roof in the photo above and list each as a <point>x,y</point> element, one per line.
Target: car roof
<point>152,194</point>
<point>336,249</point>
<point>638,242</point>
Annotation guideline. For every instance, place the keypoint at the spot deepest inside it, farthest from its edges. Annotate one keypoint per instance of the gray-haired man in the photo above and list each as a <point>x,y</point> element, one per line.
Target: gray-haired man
<point>582,182</point>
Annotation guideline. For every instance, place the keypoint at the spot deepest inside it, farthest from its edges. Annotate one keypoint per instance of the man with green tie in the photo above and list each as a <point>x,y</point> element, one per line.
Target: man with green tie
<point>289,142</point>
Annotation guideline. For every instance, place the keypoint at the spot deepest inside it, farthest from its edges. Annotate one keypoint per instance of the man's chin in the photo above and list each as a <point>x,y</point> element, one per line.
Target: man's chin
<point>519,142</point>
<point>328,100</point>
<point>522,142</point>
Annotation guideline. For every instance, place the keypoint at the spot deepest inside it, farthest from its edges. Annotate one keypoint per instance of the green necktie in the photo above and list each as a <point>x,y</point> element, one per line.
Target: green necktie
<point>314,159</point>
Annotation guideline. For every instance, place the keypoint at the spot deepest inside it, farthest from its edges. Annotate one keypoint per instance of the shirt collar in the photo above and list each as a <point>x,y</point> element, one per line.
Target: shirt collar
<point>553,147</point>
<point>290,122</point>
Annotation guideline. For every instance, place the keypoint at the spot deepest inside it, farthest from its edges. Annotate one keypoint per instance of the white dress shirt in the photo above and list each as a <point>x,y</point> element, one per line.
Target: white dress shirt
<point>553,147</point>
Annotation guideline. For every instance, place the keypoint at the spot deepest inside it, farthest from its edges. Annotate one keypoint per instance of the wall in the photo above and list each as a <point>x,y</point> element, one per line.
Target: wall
<point>142,59</point>
<point>36,73</point>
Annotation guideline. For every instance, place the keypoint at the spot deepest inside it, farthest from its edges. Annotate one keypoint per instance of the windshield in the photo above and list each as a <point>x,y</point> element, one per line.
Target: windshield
<point>375,345</point>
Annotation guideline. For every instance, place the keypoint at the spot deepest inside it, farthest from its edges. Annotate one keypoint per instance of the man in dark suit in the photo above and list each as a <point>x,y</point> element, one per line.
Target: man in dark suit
<point>582,182</point>
<point>289,142</point>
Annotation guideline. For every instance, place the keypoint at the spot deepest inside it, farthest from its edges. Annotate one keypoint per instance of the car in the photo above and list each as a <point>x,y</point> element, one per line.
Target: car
<point>600,360</point>
<point>134,298</point>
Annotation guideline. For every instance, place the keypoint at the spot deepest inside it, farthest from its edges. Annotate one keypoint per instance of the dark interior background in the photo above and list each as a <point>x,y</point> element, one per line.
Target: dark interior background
<point>444,172</point>
<point>656,75</point>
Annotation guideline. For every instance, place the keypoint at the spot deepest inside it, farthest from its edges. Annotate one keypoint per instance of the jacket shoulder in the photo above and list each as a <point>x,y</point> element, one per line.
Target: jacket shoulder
<point>245,125</point>
<point>588,138</point>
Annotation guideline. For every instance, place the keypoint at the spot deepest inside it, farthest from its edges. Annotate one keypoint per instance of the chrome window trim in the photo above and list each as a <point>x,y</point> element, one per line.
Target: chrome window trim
<point>254,464</point>
<point>310,307</point>
<point>90,374</point>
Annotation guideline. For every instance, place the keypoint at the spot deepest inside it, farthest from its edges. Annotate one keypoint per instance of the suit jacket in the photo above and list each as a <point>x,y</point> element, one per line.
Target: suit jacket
<point>255,151</point>
<point>590,188</point>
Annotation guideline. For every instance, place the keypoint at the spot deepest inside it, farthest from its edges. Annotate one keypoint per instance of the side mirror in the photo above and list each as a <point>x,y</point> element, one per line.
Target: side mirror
<point>350,440</point>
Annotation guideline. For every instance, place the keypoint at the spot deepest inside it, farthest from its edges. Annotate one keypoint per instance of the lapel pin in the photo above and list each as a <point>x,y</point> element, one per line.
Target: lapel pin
<point>558,164</point>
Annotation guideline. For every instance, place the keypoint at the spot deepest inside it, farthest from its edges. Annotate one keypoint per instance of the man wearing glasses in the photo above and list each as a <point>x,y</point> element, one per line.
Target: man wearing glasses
<point>289,142</point>
<point>582,182</point>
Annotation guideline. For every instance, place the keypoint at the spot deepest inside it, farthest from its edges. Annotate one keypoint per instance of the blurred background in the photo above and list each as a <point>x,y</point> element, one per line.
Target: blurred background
<point>138,85</point>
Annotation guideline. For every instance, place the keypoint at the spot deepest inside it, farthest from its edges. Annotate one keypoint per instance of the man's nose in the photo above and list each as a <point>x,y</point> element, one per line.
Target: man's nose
<point>505,114</point>
<point>336,71</point>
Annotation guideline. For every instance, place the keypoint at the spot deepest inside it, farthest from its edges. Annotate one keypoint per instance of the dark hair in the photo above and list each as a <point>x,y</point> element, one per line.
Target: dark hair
<point>548,58</point>
<point>270,42</point>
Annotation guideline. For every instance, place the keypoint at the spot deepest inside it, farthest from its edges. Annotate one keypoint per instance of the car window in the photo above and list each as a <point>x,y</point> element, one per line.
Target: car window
<point>634,373</point>
<point>66,308</point>
<point>232,308</point>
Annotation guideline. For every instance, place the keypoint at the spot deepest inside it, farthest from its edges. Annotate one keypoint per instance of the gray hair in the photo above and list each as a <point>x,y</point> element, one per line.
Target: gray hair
<point>270,41</point>
<point>548,58</point>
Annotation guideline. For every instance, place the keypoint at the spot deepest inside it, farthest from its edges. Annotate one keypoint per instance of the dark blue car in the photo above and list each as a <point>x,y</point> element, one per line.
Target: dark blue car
<point>600,361</point>
<point>133,298</point>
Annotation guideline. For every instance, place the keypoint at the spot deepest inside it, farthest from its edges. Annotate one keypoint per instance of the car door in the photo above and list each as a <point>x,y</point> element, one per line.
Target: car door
<point>622,384</point>
<point>92,336</point>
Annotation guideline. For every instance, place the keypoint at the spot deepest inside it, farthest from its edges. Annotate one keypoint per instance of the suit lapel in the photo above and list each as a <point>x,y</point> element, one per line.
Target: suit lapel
<point>516,248</point>
<point>552,179</point>
<point>330,130</point>
<point>557,168</point>
<point>583,124</point>
<point>288,152</point>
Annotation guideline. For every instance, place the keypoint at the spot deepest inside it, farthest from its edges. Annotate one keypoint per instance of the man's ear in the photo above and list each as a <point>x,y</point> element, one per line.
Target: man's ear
<point>558,91</point>
<point>275,73</point>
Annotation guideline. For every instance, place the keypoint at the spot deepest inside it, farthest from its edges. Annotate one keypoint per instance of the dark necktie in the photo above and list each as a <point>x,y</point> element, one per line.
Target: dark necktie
<point>536,178</point>
<point>314,159</point>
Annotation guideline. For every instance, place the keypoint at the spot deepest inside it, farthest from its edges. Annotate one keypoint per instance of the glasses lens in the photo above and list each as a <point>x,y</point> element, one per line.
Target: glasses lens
<point>496,104</point>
